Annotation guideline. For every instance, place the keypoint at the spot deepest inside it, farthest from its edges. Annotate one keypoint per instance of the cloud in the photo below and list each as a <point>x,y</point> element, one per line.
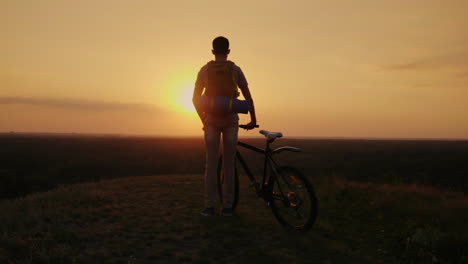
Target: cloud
<point>79,104</point>
<point>454,63</point>
<point>414,65</point>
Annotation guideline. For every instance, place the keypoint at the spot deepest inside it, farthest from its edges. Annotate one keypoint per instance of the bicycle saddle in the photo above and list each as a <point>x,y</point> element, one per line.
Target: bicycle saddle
<point>271,136</point>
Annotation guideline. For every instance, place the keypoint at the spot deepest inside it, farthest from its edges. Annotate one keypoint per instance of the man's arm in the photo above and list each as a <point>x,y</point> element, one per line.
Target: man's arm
<point>197,91</point>
<point>244,87</point>
<point>253,118</point>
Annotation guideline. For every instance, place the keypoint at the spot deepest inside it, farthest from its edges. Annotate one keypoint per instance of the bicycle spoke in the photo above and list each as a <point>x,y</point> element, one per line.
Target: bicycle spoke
<point>299,213</point>
<point>294,214</point>
<point>279,187</point>
<point>279,197</point>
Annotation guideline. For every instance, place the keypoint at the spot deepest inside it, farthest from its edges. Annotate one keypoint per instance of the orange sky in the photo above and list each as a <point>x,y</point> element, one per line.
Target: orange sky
<point>392,69</point>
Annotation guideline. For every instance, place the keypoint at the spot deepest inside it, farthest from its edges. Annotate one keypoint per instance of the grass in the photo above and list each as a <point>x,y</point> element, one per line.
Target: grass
<point>33,163</point>
<point>155,219</point>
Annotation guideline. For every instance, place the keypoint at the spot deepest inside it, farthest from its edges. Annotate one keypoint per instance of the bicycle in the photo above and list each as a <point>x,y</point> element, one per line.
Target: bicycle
<point>285,189</point>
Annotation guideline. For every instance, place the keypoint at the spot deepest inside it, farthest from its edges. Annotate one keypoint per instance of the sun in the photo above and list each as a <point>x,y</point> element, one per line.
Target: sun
<point>184,102</point>
<point>178,92</point>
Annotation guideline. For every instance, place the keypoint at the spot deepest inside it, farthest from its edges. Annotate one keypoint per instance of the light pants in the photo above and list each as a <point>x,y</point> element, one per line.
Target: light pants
<point>214,127</point>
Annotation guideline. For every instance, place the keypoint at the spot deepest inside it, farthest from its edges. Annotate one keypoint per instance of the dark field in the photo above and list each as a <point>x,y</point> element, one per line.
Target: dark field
<point>31,163</point>
<point>379,202</point>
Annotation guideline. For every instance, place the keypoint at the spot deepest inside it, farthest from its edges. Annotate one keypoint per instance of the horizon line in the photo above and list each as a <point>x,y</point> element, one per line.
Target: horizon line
<point>3,133</point>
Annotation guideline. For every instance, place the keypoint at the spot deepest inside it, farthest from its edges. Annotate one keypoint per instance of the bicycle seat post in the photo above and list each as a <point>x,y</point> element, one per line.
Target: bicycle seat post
<point>267,148</point>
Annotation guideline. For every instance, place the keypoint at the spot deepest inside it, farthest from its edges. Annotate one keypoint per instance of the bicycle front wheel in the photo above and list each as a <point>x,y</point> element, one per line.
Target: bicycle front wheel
<point>220,181</point>
<point>292,201</point>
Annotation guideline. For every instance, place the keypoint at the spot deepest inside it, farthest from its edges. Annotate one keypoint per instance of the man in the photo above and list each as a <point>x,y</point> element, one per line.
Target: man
<point>221,78</point>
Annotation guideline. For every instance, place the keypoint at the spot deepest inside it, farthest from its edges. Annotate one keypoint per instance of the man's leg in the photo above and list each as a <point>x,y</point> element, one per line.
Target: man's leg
<point>229,155</point>
<point>212,137</point>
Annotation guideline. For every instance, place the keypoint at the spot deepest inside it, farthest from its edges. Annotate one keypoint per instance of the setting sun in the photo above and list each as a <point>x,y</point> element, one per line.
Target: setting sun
<point>178,95</point>
<point>404,76</point>
<point>185,99</point>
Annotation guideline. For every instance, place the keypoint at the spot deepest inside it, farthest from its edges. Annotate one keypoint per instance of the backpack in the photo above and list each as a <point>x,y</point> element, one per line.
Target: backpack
<point>221,79</point>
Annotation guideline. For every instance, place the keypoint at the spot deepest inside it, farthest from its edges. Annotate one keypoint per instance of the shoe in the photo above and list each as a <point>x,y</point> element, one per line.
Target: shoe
<point>209,211</point>
<point>227,212</point>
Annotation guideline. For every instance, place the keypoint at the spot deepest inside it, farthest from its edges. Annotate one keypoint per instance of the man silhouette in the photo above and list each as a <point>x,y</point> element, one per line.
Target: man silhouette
<point>221,78</point>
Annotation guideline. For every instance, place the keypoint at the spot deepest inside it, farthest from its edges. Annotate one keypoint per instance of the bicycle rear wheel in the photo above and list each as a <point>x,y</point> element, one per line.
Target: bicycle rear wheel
<point>292,200</point>
<point>220,180</point>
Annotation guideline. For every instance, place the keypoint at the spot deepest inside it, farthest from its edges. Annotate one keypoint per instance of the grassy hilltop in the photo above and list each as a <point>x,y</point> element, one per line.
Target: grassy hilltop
<point>155,219</point>
<point>78,199</point>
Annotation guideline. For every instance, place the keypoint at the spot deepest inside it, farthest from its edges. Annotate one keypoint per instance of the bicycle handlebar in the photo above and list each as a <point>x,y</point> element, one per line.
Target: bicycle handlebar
<point>245,126</point>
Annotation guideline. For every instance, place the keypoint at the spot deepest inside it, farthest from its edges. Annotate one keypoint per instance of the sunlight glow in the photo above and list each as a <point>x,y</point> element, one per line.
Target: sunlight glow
<point>185,99</point>
<point>178,92</point>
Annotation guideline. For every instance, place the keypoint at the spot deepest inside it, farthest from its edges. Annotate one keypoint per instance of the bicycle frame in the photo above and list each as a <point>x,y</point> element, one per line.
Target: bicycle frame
<point>268,162</point>
<point>285,189</point>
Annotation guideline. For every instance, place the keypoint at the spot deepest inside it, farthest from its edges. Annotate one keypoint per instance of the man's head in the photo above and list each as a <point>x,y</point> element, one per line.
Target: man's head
<point>221,46</point>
